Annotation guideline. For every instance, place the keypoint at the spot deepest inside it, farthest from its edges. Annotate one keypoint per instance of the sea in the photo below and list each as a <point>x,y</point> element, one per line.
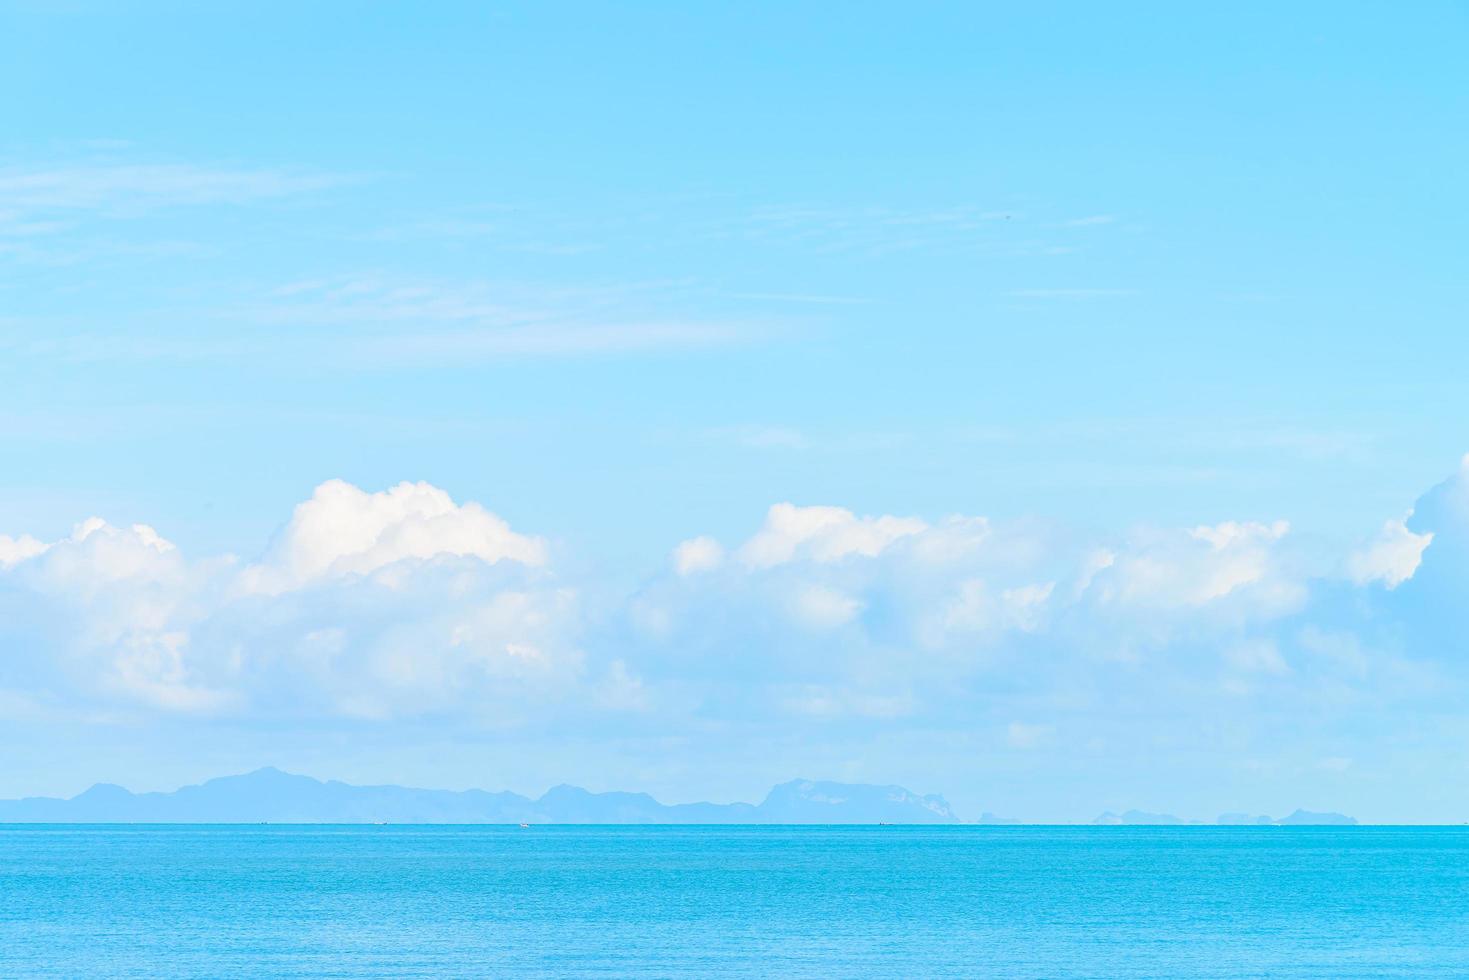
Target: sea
<point>612,901</point>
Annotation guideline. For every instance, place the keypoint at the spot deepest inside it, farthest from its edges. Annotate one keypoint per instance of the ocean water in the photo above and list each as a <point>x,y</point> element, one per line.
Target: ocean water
<point>400,901</point>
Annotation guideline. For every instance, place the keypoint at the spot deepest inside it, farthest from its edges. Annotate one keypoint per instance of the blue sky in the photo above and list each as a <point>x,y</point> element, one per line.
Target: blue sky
<point>627,276</point>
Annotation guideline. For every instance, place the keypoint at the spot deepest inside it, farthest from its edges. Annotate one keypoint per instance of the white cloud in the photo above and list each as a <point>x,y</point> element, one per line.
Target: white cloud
<point>404,603</point>
<point>448,320</point>
<point>822,534</point>
<point>884,602</point>
<point>13,550</point>
<point>956,539</point>
<point>343,530</point>
<point>130,188</point>
<point>371,605</point>
<point>976,608</point>
<point>554,340</point>
<point>822,607</point>
<point>1391,557</point>
<point>114,597</point>
<point>1198,567</point>
<point>699,554</point>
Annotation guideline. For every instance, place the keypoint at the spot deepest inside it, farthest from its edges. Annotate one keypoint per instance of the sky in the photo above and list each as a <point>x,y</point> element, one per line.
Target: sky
<point>1053,407</point>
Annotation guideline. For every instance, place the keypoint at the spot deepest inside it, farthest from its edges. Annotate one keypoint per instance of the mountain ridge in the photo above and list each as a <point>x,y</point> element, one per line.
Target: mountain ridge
<point>1297,818</point>
<point>269,795</point>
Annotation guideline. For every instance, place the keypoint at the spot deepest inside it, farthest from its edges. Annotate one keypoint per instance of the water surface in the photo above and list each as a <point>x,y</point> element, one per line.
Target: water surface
<point>401,901</point>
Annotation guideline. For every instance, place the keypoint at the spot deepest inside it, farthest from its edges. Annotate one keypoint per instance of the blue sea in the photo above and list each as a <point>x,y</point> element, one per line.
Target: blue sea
<point>424,901</point>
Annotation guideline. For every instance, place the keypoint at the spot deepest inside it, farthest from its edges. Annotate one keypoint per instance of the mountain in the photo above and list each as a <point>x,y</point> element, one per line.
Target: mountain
<point>803,801</point>
<point>1301,818</point>
<point>990,819</point>
<point>1305,818</point>
<point>271,796</point>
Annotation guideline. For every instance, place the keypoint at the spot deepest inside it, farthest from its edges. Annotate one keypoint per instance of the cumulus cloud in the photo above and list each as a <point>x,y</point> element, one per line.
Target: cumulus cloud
<point>965,583</point>
<point>343,530</point>
<point>366,604</point>
<point>943,614</point>
<point>822,534</point>
<point>404,603</point>
<point>1391,557</point>
<point>14,550</point>
<point>1198,566</point>
<point>112,599</point>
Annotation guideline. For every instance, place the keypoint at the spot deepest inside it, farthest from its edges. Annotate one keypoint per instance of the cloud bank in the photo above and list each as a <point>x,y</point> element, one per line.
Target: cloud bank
<point>405,605</point>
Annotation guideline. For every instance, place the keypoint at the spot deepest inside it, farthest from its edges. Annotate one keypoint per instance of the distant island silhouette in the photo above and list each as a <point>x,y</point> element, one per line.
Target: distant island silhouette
<point>1299,818</point>
<point>271,796</point>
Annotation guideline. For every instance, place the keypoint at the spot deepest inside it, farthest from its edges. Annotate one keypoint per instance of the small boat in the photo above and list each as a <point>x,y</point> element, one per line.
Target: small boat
<point>525,826</point>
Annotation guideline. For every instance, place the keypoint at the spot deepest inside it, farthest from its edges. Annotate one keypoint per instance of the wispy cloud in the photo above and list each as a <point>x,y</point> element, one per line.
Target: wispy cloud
<point>376,322</point>
<point>368,299</point>
<point>477,319</point>
<point>55,215</point>
<point>553,340</point>
<point>131,188</point>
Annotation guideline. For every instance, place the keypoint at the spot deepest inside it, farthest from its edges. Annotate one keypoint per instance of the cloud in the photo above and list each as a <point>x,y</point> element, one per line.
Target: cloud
<point>976,608</point>
<point>122,188</point>
<point>343,530</point>
<point>1163,569</point>
<point>822,534</point>
<point>819,598</point>
<point>59,214</point>
<point>454,321</point>
<point>403,604</point>
<point>822,607</point>
<point>700,554</point>
<point>13,550</point>
<point>111,600</point>
<point>553,340</point>
<point>1391,557</point>
<point>370,605</point>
